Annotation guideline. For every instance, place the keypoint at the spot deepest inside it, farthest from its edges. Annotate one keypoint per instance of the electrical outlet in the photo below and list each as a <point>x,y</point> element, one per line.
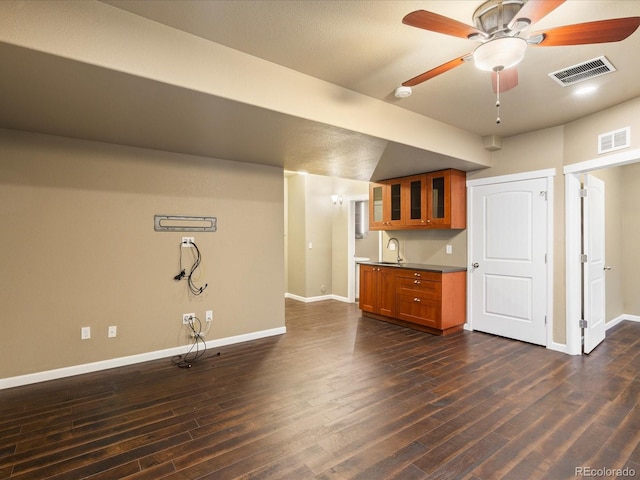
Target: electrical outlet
<point>187,241</point>
<point>449,250</point>
<point>113,331</point>
<point>85,333</point>
<point>187,316</point>
<point>208,315</point>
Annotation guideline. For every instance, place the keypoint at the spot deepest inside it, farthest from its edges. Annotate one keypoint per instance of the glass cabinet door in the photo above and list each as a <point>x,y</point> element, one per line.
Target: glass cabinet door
<point>415,200</point>
<point>439,198</point>
<point>377,208</point>
<point>396,202</point>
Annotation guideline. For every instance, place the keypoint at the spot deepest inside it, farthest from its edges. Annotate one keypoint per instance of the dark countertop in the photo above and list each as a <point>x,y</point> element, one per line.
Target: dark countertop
<point>418,266</point>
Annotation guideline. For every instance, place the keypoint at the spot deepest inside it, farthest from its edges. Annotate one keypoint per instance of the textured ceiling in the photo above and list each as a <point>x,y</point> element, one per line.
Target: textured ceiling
<point>360,46</point>
<point>363,46</point>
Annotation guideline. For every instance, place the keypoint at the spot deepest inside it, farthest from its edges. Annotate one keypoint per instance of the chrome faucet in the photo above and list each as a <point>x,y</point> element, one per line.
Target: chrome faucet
<point>393,239</point>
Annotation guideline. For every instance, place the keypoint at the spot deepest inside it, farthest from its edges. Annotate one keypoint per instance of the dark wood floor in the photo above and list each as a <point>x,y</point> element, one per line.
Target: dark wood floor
<point>339,396</point>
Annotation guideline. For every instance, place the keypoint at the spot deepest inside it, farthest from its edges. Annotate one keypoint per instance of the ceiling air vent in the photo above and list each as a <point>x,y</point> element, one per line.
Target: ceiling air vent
<point>610,141</point>
<point>583,71</point>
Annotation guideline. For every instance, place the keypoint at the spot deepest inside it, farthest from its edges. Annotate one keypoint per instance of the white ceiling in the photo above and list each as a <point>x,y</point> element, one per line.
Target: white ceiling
<point>358,45</point>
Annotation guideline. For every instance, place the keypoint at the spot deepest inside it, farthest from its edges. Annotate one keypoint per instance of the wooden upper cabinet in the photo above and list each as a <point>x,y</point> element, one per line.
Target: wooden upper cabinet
<point>429,200</point>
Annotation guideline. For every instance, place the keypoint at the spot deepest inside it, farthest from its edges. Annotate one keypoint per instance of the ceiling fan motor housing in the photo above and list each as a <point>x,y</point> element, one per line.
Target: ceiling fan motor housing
<point>495,15</point>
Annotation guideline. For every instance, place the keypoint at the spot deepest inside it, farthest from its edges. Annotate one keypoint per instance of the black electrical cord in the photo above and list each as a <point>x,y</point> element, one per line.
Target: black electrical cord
<point>185,361</point>
<point>193,288</point>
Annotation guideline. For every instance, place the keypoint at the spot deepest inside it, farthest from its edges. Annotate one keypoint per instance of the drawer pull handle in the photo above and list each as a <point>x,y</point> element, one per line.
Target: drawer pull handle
<point>417,282</point>
<point>416,299</point>
<point>416,274</point>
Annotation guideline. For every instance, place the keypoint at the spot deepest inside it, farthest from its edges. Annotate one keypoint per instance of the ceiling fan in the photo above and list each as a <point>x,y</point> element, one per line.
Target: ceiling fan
<point>502,28</point>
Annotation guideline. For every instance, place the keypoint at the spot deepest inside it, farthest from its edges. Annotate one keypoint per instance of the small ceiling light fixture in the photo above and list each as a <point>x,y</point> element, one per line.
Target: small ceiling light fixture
<point>402,92</point>
<point>336,198</point>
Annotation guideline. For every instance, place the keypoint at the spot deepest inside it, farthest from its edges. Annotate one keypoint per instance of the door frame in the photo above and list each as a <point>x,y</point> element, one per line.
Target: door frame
<point>549,175</point>
<point>573,237</point>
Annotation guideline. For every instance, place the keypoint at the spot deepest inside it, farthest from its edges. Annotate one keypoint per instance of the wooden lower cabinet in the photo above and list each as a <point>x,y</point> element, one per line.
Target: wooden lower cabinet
<point>377,290</point>
<point>430,301</point>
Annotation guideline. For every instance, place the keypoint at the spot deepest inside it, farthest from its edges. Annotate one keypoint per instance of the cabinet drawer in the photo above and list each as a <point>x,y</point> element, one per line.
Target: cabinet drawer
<point>419,287</point>
<point>420,275</point>
<point>416,309</point>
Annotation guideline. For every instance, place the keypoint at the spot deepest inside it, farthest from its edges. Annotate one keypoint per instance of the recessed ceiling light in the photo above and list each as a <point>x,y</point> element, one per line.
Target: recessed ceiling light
<point>589,89</point>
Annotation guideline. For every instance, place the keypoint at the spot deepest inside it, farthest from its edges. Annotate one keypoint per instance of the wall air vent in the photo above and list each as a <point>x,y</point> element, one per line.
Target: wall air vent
<point>583,71</point>
<point>610,141</point>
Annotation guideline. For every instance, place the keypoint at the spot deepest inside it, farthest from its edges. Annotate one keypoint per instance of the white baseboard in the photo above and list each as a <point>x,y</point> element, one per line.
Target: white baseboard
<point>316,299</point>
<point>621,318</point>
<point>130,360</point>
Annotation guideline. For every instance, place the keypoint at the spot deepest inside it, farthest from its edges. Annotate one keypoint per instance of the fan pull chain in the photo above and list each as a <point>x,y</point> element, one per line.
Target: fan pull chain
<point>498,95</point>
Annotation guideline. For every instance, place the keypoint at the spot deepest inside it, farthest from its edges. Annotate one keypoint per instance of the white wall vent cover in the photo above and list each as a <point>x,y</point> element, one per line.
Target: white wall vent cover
<point>610,141</point>
<point>583,71</point>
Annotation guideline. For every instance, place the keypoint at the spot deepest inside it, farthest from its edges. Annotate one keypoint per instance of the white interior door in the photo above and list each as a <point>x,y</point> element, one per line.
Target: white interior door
<point>593,218</point>
<point>508,260</point>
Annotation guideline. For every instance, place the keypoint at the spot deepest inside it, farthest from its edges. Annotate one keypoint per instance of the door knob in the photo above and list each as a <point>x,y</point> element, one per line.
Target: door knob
<point>606,267</point>
<point>475,265</point>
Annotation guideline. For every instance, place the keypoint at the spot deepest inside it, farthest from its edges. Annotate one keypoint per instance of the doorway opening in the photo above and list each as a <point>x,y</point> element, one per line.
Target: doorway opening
<point>573,218</point>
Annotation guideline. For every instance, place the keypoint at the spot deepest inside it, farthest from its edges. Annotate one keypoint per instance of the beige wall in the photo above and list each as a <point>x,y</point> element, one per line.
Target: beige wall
<point>296,237</point>
<point>427,246</point>
<point>79,249</point>
<point>630,223</point>
<point>367,247</point>
<point>319,233</point>
<point>581,136</point>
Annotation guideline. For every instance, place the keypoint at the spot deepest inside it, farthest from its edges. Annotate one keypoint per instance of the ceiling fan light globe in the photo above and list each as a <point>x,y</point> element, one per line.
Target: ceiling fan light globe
<point>499,53</point>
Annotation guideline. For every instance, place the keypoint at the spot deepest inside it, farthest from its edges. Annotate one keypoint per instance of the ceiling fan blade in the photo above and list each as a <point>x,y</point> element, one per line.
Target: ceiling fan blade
<point>445,67</point>
<point>508,80</point>
<point>441,24</point>
<point>602,31</point>
<point>534,10</point>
